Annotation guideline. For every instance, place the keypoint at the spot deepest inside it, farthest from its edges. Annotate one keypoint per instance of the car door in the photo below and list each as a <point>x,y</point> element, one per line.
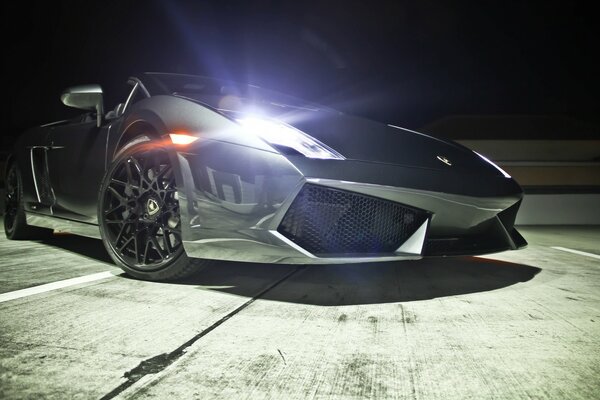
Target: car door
<point>76,156</point>
<point>76,164</point>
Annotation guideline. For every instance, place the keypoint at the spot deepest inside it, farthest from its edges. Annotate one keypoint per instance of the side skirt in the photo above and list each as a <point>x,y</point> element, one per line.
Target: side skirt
<point>63,225</point>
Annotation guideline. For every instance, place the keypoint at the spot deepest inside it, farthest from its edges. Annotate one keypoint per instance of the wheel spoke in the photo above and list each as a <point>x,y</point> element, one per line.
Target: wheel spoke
<point>174,230</point>
<point>172,208</point>
<point>163,172</point>
<point>167,242</point>
<point>157,247</point>
<point>139,169</point>
<point>135,244</point>
<point>121,231</point>
<point>145,259</point>
<point>136,164</point>
<point>118,195</point>
<point>129,173</point>
<point>118,182</point>
<point>126,243</point>
<point>112,210</point>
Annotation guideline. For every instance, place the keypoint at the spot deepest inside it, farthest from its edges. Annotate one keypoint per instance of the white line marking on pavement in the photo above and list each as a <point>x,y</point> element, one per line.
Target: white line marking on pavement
<point>581,253</point>
<point>17,294</point>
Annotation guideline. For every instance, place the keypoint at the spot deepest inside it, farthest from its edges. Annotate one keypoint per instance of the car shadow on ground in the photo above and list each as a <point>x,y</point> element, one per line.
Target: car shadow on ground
<point>87,247</point>
<point>336,285</point>
<point>371,283</point>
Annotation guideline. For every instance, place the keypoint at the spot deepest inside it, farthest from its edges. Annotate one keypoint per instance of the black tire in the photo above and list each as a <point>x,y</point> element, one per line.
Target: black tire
<point>15,223</point>
<point>138,214</point>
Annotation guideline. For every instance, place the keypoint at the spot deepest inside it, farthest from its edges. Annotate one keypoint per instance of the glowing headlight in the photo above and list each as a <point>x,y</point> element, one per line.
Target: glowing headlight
<point>494,165</point>
<point>280,134</point>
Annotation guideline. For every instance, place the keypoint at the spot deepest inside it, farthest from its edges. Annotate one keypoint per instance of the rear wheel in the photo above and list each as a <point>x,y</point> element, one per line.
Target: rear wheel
<point>15,223</point>
<point>138,214</point>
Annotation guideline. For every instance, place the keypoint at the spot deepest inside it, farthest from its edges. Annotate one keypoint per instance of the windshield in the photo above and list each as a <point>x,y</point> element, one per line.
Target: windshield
<point>226,96</point>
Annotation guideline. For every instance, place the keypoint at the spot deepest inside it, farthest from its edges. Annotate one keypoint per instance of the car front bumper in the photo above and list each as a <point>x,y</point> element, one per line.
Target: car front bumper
<point>233,201</point>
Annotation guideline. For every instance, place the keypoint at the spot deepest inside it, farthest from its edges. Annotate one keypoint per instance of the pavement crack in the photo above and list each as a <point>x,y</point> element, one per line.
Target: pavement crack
<point>403,319</point>
<point>282,357</point>
<point>150,366</point>
<point>157,364</point>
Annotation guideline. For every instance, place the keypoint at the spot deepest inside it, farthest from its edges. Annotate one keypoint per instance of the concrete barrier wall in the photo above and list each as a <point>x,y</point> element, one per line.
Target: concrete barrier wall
<point>536,150</point>
<point>560,209</point>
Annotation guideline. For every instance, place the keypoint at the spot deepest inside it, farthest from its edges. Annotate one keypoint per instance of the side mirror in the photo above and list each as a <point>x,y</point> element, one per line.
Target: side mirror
<point>85,97</point>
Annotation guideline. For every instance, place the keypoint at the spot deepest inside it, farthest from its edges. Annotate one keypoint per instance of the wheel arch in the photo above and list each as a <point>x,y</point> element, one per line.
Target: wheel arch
<point>9,160</point>
<point>135,128</point>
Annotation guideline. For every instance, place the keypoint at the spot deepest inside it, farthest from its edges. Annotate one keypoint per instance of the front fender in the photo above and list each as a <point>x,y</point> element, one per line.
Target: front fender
<point>170,114</point>
<point>229,191</point>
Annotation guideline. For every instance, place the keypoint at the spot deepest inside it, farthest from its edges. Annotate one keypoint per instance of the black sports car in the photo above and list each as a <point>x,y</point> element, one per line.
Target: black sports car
<point>187,169</point>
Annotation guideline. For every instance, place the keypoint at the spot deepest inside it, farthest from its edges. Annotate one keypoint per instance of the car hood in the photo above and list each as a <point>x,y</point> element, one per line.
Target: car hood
<point>366,140</point>
<point>362,139</point>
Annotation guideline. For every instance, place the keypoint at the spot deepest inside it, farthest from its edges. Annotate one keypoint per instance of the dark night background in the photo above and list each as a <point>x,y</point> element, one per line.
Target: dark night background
<point>402,62</point>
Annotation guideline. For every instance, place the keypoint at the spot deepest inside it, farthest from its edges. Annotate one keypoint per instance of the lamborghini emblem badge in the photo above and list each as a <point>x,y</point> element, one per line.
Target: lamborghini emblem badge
<point>152,206</point>
<point>444,160</point>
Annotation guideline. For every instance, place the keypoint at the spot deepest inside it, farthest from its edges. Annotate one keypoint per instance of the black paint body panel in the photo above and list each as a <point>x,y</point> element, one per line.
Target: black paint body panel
<point>235,188</point>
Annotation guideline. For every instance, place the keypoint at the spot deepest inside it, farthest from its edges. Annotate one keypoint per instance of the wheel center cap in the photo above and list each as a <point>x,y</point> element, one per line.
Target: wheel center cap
<point>152,206</point>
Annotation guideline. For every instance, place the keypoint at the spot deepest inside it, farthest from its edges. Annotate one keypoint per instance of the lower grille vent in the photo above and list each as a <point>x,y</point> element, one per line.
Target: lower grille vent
<point>326,221</point>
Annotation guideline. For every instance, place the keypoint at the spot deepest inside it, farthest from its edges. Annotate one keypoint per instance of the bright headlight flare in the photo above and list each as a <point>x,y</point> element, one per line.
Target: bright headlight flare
<point>494,165</point>
<point>280,134</point>
<point>182,138</point>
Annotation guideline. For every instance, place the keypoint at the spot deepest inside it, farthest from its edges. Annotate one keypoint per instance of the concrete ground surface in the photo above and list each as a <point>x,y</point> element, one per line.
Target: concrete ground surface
<point>513,325</point>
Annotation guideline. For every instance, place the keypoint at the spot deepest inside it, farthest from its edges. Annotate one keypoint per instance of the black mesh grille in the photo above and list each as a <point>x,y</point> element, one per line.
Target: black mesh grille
<point>325,221</point>
<point>451,246</point>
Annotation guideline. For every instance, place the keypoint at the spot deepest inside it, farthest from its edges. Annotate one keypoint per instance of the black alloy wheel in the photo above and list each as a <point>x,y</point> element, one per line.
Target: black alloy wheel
<point>15,223</point>
<point>139,215</point>
<point>12,200</point>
